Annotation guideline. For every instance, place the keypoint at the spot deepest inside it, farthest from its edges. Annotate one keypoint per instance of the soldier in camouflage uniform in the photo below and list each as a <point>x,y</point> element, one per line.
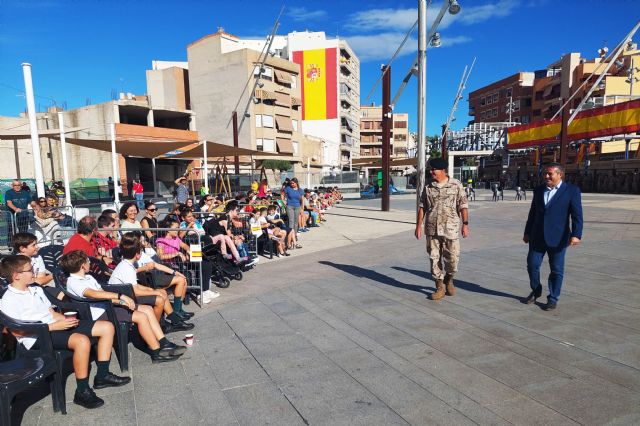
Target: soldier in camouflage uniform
<point>444,203</point>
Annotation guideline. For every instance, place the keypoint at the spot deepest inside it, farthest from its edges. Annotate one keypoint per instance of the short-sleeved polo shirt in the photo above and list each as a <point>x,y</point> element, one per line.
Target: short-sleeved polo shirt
<point>28,305</point>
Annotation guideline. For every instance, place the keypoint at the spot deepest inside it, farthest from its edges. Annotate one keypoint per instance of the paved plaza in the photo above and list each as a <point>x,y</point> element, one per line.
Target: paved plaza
<point>343,332</point>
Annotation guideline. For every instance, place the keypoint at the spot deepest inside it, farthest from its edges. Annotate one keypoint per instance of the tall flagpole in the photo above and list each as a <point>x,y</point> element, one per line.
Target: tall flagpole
<point>422,82</point>
<point>65,164</point>
<point>33,124</point>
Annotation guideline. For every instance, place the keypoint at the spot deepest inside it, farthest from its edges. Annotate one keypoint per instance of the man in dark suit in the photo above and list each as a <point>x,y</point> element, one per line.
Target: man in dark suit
<point>549,231</point>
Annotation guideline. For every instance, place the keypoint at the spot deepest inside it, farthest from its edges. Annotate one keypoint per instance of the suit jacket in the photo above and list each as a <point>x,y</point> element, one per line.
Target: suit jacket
<point>549,225</point>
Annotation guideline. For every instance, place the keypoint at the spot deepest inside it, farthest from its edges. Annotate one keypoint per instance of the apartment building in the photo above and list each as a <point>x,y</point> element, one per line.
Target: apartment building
<point>491,103</point>
<point>330,90</point>
<point>135,120</point>
<point>371,133</point>
<point>268,106</point>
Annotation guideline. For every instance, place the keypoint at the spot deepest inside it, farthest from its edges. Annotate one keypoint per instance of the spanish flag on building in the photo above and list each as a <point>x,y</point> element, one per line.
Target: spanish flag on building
<point>319,83</point>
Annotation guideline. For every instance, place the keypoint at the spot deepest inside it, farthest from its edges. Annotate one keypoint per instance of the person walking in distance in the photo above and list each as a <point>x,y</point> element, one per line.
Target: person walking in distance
<point>443,203</point>
<point>548,231</point>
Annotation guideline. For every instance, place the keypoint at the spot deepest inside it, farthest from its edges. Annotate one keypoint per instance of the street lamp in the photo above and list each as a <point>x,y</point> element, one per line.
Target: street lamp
<point>454,7</point>
<point>435,40</point>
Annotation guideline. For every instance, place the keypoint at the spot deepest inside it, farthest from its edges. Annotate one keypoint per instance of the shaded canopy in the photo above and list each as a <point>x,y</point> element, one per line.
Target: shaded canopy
<point>26,134</point>
<point>215,150</point>
<point>131,147</point>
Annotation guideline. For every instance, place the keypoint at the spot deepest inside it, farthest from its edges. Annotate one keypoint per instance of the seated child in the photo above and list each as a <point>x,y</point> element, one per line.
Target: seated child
<point>77,264</point>
<point>26,244</point>
<point>126,273</point>
<point>29,303</point>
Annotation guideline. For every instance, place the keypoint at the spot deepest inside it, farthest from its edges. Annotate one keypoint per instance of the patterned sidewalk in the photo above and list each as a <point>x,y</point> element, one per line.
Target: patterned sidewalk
<point>348,335</point>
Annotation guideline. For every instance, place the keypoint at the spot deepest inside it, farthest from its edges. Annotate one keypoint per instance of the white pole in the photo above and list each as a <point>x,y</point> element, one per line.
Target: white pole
<point>205,171</point>
<point>65,164</point>
<point>33,124</point>
<point>114,165</point>
<point>155,180</point>
<point>308,172</point>
<point>422,82</point>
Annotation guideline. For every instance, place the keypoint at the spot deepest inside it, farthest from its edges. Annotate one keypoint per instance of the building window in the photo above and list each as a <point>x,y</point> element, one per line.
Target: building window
<point>495,98</point>
<point>516,105</point>
<point>294,81</point>
<point>483,101</point>
<point>267,73</point>
<point>259,146</point>
<point>268,145</point>
<point>294,124</point>
<point>258,120</point>
<point>399,124</point>
<point>295,147</point>
<point>267,121</point>
<point>494,112</point>
<point>509,92</point>
<point>489,99</point>
<point>525,119</point>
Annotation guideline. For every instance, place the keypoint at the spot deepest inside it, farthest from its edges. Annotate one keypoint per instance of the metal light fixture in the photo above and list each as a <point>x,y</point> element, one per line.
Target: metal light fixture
<point>454,7</point>
<point>435,40</point>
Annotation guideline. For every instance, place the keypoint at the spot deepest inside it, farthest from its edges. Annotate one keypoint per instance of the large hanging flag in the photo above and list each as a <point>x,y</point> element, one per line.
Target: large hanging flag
<point>597,122</point>
<point>319,83</point>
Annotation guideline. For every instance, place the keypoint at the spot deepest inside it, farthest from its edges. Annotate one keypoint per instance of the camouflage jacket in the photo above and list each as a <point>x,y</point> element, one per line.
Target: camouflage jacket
<point>442,204</point>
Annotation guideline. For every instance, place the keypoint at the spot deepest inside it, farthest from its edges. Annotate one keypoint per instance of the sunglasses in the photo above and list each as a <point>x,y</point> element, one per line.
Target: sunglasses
<point>151,210</point>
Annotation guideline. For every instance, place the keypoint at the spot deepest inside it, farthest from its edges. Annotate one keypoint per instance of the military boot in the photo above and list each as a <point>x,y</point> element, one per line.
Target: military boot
<point>448,281</point>
<point>439,293</point>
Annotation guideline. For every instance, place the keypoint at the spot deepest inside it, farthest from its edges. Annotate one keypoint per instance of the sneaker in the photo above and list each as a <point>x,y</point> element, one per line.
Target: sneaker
<point>253,261</point>
<point>87,399</point>
<point>212,294</point>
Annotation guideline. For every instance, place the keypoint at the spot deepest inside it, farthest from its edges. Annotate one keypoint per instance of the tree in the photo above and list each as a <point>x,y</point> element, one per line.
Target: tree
<point>282,165</point>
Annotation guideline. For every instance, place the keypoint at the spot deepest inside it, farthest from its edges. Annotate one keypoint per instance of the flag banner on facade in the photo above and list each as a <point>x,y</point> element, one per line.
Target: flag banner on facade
<point>319,83</point>
<point>593,123</point>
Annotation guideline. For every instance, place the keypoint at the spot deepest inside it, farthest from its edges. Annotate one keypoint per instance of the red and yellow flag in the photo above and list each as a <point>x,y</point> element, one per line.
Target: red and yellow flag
<point>604,121</point>
<point>319,83</point>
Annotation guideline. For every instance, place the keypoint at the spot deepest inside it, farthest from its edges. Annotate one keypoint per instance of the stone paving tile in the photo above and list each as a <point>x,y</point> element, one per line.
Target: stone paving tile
<point>119,409</point>
<point>524,411</point>
<point>260,404</point>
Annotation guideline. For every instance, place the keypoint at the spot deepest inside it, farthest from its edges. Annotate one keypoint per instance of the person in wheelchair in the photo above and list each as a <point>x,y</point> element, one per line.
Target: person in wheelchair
<point>25,302</point>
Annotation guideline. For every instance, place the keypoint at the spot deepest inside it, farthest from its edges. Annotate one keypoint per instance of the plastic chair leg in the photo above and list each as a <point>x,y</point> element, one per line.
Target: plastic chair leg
<point>5,406</point>
<point>123,346</point>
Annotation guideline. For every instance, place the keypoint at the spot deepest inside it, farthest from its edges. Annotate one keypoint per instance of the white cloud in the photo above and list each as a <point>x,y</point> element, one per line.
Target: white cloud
<point>303,14</point>
<point>403,19</point>
<point>382,46</point>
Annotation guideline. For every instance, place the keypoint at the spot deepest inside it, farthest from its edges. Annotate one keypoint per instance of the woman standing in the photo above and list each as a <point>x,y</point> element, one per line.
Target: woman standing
<point>138,193</point>
<point>292,196</point>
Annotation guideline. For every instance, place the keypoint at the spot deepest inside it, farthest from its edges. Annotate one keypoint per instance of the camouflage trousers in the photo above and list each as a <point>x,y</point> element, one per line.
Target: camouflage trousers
<point>444,254</point>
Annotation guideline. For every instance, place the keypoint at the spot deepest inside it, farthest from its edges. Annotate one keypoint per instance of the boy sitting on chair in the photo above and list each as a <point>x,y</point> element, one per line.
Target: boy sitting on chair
<point>126,273</point>
<point>25,244</point>
<point>77,264</point>
<point>28,303</point>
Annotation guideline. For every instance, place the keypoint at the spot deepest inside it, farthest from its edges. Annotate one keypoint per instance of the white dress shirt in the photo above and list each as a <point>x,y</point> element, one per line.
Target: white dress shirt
<point>550,192</point>
<point>28,305</point>
<point>77,285</point>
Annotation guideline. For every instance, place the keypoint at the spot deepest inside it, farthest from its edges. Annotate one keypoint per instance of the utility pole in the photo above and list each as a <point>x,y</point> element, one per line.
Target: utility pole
<point>236,143</point>
<point>510,107</point>
<point>422,100</point>
<point>443,146</point>
<point>386,135</point>
<point>564,117</point>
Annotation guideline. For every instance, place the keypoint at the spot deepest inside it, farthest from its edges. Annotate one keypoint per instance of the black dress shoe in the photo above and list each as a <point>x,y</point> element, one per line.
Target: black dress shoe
<point>172,349</point>
<point>163,357</point>
<point>110,380</point>
<point>184,315</point>
<point>550,306</point>
<point>172,327</point>
<point>87,399</point>
<point>533,295</point>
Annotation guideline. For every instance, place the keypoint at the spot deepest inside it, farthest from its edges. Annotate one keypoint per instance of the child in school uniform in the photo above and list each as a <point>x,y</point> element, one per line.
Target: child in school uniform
<point>25,302</point>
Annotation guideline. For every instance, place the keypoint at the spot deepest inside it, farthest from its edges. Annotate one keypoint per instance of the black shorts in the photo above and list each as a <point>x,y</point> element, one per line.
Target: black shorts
<point>122,314</point>
<point>162,279</point>
<point>146,300</point>
<point>60,339</point>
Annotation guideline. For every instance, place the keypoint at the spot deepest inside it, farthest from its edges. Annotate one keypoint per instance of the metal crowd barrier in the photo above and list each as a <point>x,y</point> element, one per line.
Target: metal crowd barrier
<point>189,263</point>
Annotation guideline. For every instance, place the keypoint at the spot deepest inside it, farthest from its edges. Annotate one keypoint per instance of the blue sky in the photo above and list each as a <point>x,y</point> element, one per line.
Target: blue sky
<point>81,50</point>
